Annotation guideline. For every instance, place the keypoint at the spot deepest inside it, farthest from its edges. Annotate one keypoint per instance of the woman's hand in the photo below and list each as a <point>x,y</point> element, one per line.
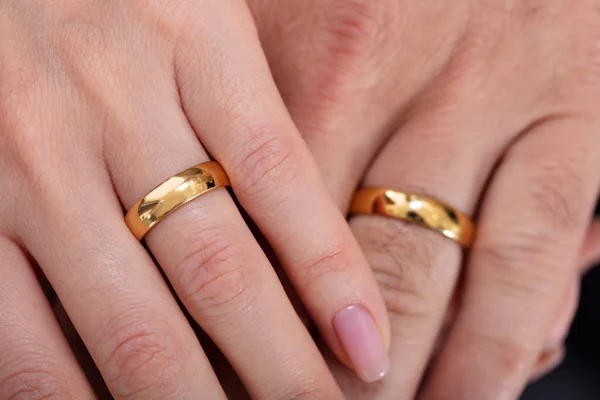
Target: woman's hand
<point>100,101</point>
<point>489,106</point>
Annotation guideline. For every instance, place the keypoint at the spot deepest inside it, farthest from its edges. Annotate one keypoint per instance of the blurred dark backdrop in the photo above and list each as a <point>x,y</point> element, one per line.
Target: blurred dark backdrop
<point>578,378</point>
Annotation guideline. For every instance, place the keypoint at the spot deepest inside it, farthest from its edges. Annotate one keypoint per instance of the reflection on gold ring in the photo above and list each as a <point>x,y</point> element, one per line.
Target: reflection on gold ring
<point>172,194</point>
<point>413,208</point>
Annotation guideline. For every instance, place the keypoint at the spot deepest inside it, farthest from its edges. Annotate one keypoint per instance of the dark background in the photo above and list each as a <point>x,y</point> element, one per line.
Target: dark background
<point>578,377</point>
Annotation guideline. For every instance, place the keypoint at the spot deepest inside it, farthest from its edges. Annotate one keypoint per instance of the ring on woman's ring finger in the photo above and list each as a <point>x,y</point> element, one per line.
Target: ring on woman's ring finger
<point>172,194</point>
<point>413,208</point>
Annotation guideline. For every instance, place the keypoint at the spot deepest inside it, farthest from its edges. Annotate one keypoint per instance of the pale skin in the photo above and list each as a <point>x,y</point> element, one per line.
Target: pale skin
<point>100,101</point>
<point>486,105</point>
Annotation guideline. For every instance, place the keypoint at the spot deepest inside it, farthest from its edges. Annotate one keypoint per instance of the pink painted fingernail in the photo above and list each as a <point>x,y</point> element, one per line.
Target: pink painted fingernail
<point>362,342</point>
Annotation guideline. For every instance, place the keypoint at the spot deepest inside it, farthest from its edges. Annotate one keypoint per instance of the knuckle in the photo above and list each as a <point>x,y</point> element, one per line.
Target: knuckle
<point>510,358</point>
<point>552,11</point>
<point>26,149</point>
<point>576,74</point>
<point>554,192</point>
<point>269,158</point>
<point>24,152</point>
<point>354,24</point>
<point>556,205</point>
<point>145,359</point>
<point>28,144</point>
<point>408,270</point>
<point>575,52</point>
<point>347,44</point>
<point>487,23</point>
<point>80,34</point>
<point>331,262</point>
<point>349,38</point>
<point>19,85</point>
<point>214,279</point>
<point>35,381</point>
<point>522,263</point>
<point>579,64</point>
<point>556,13</point>
<point>167,20</point>
<point>20,94</point>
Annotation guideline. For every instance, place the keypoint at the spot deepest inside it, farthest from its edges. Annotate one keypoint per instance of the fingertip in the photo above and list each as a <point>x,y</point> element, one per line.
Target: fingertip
<point>362,342</point>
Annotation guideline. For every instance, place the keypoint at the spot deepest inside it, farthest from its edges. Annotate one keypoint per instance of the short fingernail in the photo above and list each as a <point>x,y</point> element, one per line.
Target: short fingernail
<point>362,342</point>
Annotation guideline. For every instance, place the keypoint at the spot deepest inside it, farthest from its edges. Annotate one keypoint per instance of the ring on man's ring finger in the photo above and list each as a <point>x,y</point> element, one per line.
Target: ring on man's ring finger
<point>172,194</point>
<point>413,208</point>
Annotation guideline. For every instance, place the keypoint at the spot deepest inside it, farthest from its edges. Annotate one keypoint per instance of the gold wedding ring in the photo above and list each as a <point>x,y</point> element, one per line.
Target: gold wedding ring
<point>172,194</point>
<point>413,208</point>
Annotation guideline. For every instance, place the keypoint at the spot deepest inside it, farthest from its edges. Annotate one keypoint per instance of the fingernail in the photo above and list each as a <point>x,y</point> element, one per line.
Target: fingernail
<point>362,342</point>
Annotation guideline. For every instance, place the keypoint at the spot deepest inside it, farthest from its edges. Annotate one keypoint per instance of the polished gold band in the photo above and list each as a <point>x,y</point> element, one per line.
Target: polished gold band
<point>172,194</point>
<point>413,208</point>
